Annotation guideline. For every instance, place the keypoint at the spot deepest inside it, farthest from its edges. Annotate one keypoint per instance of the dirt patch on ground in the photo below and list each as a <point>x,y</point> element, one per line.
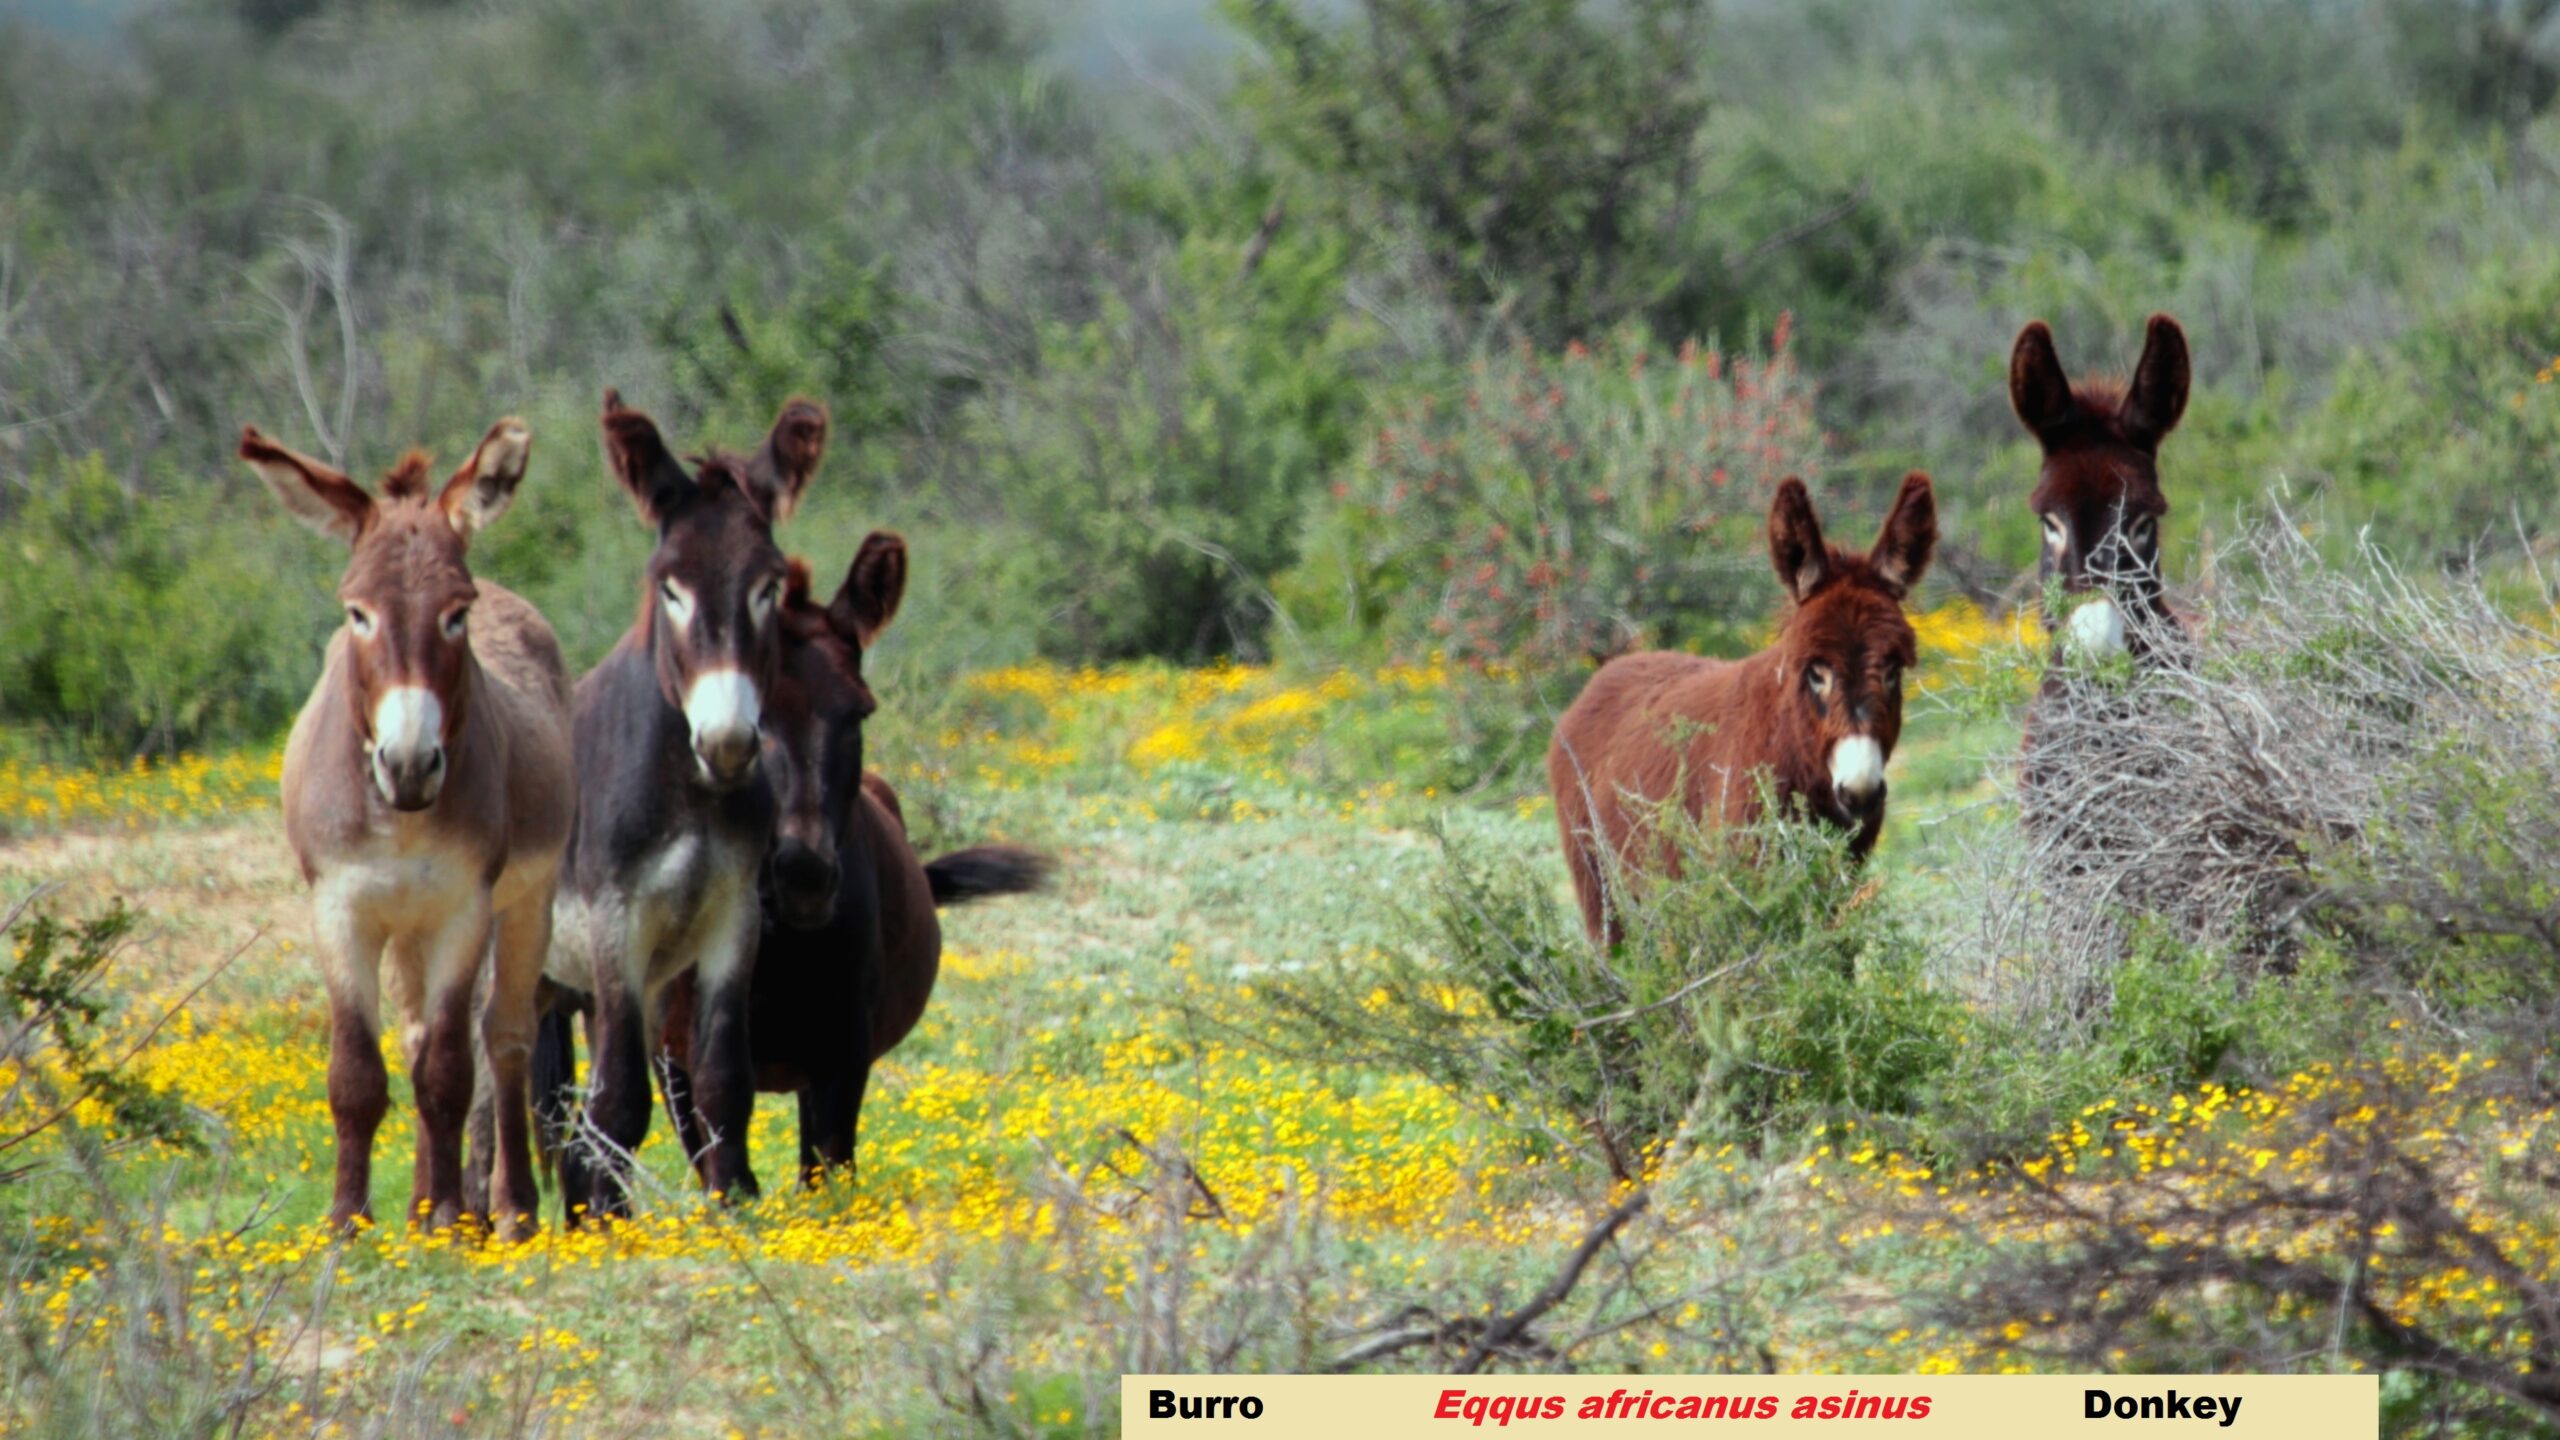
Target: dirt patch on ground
<point>205,891</point>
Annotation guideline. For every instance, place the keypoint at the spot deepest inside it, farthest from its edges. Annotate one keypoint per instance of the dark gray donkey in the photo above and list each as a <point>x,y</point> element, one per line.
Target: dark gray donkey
<point>675,815</point>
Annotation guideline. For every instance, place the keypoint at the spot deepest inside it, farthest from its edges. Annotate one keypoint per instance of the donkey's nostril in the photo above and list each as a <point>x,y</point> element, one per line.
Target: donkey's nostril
<point>806,881</point>
<point>728,755</point>
<point>410,780</point>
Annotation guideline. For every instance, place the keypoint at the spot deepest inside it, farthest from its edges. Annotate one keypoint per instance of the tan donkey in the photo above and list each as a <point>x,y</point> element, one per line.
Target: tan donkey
<point>428,793</point>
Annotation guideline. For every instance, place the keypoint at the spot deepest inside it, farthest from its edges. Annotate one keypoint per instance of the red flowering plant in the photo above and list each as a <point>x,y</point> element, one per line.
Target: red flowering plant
<point>1568,508</point>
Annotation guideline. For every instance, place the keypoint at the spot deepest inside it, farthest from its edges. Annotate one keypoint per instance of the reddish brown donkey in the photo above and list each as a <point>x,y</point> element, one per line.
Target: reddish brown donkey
<point>427,795</point>
<point>1818,711</point>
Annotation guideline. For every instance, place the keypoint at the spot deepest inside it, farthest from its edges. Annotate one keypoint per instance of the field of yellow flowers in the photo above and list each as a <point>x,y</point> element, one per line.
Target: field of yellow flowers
<point>1102,1152</point>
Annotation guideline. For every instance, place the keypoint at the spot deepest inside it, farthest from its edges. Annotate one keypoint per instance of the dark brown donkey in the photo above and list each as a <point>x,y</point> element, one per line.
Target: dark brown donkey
<point>1818,711</point>
<point>427,794</point>
<point>835,991</point>
<point>675,815</point>
<point>2098,495</point>
<point>2100,503</point>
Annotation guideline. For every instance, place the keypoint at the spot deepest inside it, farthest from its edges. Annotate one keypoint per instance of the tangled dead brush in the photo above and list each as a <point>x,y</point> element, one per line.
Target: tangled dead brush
<point>2218,787</point>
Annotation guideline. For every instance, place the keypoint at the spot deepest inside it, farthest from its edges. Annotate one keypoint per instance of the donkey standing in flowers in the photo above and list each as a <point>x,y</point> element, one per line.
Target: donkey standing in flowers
<point>1818,711</point>
<point>837,987</point>
<point>427,795</point>
<point>675,814</point>
<point>2099,499</point>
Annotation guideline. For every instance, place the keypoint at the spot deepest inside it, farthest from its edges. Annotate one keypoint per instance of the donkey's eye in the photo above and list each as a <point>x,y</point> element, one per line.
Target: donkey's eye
<point>1820,680</point>
<point>767,595</point>
<point>2139,531</point>
<point>2056,534</point>
<point>361,620</point>
<point>679,603</point>
<point>457,621</point>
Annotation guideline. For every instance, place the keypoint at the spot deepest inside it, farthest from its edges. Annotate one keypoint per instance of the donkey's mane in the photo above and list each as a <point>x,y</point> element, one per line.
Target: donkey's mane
<point>805,619</point>
<point>2100,394</point>
<point>713,469</point>
<point>408,479</point>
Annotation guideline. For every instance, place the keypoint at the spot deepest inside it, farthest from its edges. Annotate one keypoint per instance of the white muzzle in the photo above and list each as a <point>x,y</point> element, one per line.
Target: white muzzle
<point>1857,769</point>
<point>2096,629</point>
<point>723,710</point>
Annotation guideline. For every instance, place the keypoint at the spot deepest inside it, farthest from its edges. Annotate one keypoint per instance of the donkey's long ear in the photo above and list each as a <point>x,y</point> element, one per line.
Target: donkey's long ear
<point>2158,395</point>
<point>788,459</point>
<point>1910,536</point>
<point>873,586</point>
<point>1796,548</point>
<point>2038,390</point>
<point>641,460</point>
<point>485,486</point>
<point>318,495</point>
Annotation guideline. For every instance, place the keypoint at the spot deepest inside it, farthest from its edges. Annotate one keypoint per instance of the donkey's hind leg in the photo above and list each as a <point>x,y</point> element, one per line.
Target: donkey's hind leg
<point>480,1136</point>
<point>676,1084</point>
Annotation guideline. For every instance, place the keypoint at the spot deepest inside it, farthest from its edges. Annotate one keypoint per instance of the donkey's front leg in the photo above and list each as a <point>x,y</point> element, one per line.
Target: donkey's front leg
<point>359,1088</point>
<point>592,1165</point>
<point>443,1073</point>
<point>506,1029</point>
<point>830,1117</point>
<point>724,1082</point>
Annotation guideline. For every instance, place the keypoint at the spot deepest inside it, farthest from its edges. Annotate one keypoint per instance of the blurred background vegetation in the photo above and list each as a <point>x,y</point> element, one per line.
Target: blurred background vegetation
<point>1182,330</point>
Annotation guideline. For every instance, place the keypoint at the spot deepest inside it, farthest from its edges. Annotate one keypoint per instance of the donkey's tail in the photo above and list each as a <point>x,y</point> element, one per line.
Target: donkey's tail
<point>555,1071</point>
<point>984,870</point>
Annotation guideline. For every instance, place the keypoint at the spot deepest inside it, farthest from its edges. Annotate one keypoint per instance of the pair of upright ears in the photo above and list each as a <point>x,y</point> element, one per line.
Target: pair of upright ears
<point>322,497</point>
<point>2151,404</point>
<point>1899,557</point>
<point>774,477</point>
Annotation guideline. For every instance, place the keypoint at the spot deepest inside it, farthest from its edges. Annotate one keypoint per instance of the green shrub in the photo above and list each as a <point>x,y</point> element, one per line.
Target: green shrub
<point>2447,440</point>
<point>53,1052</point>
<point>1153,471</point>
<point>1535,162</point>
<point>149,624</point>
<point>1539,511</point>
<point>1764,990</point>
<point>2175,1014</point>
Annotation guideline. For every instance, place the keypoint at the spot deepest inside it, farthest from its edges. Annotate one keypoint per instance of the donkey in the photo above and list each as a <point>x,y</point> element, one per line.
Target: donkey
<point>2099,499</point>
<point>2098,494</point>
<point>834,992</point>
<point>1819,710</point>
<point>427,796</point>
<point>675,813</point>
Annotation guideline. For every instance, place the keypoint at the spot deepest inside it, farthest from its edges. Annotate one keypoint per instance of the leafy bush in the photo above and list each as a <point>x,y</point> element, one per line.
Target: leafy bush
<point>1154,470</point>
<point>1764,990</point>
<point>53,1051</point>
<point>1537,159</point>
<point>145,624</point>
<point>1545,511</point>
<point>2451,436</point>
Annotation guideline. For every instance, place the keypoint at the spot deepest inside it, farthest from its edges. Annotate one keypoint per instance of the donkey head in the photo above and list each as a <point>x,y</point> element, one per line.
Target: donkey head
<point>813,732</point>
<point>2099,493</point>
<point>716,578</point>
<point>1845,644</point>
<point>407,592</point>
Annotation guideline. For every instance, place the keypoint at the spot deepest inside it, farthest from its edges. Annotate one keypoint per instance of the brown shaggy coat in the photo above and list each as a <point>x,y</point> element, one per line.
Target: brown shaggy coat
<point>1815,714</point>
